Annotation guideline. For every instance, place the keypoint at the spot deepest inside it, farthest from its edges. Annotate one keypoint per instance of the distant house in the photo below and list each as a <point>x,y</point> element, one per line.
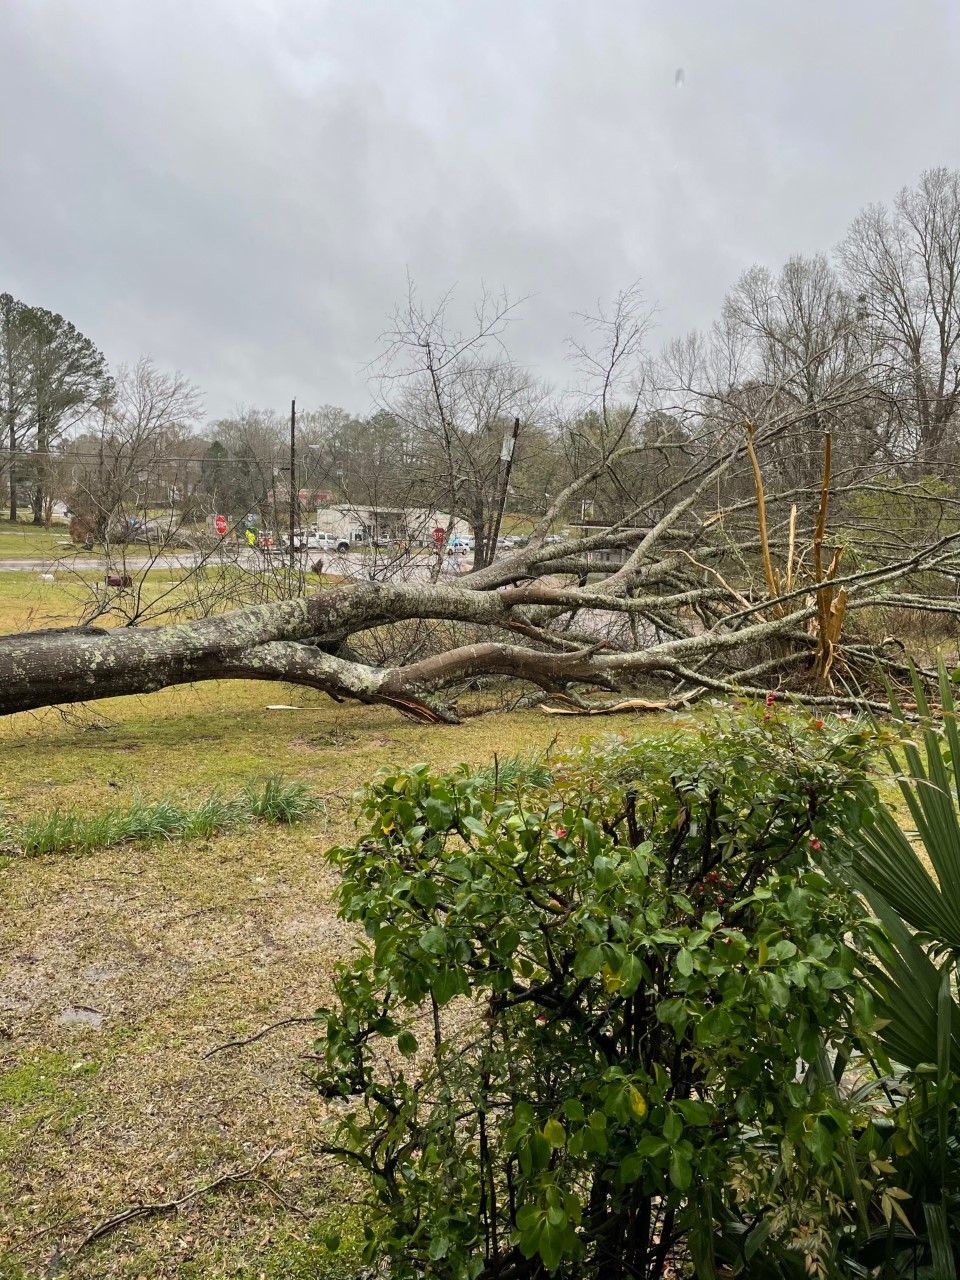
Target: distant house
<point>279,498</point>
<point>385,526</point>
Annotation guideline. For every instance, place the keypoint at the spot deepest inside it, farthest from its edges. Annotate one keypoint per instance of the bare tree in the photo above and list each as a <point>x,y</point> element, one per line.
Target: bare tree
<point>129,480</point>
<point>798,339</point>
<point>147,419</point>
<point>903,266</point>
<point>458,393</point>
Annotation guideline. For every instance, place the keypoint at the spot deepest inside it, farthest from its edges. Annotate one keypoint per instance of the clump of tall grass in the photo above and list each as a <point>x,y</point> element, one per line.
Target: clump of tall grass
<point>280,802</point>
<point>513,771</point>
<point>65,831</point>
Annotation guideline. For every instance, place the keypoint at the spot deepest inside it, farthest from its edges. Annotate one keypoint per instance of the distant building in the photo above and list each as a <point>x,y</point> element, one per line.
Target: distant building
<point>385,526</point>
<point>279,498</point>
<point>604,557</point>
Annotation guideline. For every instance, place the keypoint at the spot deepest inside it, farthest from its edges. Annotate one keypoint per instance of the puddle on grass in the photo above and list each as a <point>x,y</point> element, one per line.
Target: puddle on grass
<point>81,1016</point>
<point>100,973</point>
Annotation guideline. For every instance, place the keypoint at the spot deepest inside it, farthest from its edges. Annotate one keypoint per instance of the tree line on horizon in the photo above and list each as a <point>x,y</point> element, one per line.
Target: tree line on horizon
<point>873,327</point>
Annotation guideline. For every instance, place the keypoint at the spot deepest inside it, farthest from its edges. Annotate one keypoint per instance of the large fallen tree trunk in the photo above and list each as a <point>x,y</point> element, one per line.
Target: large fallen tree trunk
<point>703,579</point>
<point>293,640</point>
<point>287,641</point>
<point>691,603</point>
<point>302,642</point>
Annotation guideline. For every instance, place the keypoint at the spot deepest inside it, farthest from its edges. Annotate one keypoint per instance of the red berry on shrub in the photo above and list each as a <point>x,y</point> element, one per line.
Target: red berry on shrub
<point>815,843</point>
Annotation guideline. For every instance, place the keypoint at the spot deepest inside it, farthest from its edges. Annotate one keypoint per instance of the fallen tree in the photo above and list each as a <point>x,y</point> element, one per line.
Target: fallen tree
<point>732,551</point>
<point>741,599</point>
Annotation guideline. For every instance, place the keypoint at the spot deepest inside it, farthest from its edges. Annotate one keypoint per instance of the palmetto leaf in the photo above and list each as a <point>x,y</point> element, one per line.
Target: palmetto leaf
<point>930,788</point>
<point>938,1234</point>
<point>907,985</point>
<point>889,865</point>
<point>920,912</point>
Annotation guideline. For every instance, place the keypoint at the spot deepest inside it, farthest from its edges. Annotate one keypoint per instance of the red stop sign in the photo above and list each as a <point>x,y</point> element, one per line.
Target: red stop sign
<point>439,535</point>
<point>220,524</point>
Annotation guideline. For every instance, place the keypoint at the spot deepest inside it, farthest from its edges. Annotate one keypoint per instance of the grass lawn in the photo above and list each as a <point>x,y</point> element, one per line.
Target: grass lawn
<point>28,542</point>
<point>119,970</point>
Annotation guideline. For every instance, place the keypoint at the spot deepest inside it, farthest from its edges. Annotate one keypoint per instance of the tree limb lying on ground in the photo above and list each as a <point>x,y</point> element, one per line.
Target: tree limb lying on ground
<point>689,607</point>
<point>765,520</point>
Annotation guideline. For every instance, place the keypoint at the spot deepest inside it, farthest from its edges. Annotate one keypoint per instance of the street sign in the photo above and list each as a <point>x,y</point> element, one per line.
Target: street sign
<point>439,535</point>
<point>220,524</point>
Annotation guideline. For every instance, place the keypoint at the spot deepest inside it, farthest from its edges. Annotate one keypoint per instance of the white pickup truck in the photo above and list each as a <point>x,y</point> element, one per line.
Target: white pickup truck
<point>311,540</point>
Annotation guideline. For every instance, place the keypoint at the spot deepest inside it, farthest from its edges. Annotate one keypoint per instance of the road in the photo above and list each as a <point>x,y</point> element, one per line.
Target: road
<point>68,564</point>
<point>353,565</point>
<point>349,564</point>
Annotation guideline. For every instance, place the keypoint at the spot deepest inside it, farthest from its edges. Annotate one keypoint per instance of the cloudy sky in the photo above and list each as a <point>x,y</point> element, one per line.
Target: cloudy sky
<point>240,187</point>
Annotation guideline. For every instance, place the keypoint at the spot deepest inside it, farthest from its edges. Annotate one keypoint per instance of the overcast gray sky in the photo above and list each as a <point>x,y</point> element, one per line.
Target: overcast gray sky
<point>239,187</point>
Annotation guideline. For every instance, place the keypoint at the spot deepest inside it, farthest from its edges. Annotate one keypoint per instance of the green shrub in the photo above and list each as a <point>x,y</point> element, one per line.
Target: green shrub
<point>593,1027</point>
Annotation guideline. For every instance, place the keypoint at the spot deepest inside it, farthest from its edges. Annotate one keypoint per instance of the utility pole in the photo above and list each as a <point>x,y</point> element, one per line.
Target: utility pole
<point>294,491</point>
<point>506,464</point>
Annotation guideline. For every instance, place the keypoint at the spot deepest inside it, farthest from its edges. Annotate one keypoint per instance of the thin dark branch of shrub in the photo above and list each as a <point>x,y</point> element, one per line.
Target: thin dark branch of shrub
<point>257,1035</point>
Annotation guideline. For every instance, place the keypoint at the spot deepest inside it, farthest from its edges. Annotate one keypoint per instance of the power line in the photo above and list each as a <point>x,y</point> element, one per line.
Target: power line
<point>23,455</point>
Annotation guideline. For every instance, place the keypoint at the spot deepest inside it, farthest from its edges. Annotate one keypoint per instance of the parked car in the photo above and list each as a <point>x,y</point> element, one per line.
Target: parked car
<point>461,545</point>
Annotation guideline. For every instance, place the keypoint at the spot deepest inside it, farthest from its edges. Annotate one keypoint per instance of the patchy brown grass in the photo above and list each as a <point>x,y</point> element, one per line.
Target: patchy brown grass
<point>120,970</point>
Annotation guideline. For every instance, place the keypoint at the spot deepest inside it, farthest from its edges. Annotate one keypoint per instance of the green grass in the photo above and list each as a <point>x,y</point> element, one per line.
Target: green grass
<point>307,1256</point>
<point>67,831</point>
<point>281,802</point>
<point>511,770</point>
<point>40,1078</point>
<point>28,603</point>
<point>519,526</point>
<point>28,542</point>
<point>43,1092</point>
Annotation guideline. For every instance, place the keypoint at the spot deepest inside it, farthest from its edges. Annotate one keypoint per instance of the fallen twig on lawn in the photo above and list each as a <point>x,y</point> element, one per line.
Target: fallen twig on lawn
<point>257,1035</point>
<point>169,1206</point>
<point>614,708</point>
